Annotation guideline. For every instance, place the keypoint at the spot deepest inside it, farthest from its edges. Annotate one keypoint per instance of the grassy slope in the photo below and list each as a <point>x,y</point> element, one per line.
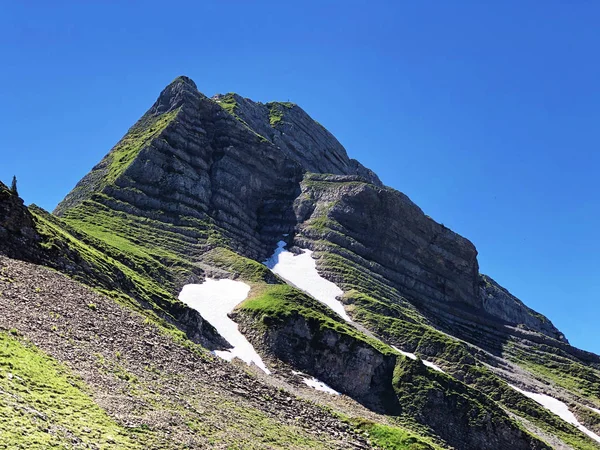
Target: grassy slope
<point>131,278</point>
<point>393,438</point>
<point>165,393</point>
<point>44,406</point>
<point>142,257</point>
<point>277,303</point>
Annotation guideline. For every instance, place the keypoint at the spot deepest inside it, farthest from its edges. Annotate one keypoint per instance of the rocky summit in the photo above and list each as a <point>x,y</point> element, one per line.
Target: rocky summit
<point>98,350</point>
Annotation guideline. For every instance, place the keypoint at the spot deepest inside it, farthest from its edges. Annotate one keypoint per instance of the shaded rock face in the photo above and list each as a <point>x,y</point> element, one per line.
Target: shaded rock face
<point>205,165</point>
<point>500,303</point>
<point>440,403</point>
<point>346,364</point>
<point>18,238</point>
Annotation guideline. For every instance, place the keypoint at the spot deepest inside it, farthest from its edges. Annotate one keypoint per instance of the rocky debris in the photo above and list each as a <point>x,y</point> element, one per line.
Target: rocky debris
<point>143,377</point>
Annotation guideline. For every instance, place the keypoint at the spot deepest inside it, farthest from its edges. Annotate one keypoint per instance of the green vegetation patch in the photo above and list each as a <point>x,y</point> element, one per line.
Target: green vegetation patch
<point>228,103</point>
<point>104,270</point>
<point>139,136</point>
<point>551,364</point>
<point>589,418</point>
<point>44,406</point>
<point>388,437</point>
<point>277,111</point>
<point>245,268</point>
<point>134,279</point>
<point>273,304</point>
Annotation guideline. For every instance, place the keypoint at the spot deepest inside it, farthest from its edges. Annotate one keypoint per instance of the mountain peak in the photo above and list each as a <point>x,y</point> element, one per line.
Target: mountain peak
<point>180,91</point>
<point>182,79</point>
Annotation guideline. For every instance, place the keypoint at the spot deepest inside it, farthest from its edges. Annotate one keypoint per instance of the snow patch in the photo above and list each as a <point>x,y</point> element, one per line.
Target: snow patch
<point>597,411</point>
<point>433,366</point>
<point>413,356</point>
<point>407,354</point>
<point>301,271</point>
<point>320,386</point>
<point>214,299</point>
<point>559,408</point>
<point>316,384</point>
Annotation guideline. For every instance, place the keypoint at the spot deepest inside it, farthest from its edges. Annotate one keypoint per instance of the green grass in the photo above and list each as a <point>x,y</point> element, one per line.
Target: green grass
<point>228,103</point>
<point>139,136</point>
<point>272,304</point>
<point>276,112</point>
<point>388,437</point>
<point>550,364</point>
<point>139,284</point>
<point>44,406</point>
<point>245,268</point>
<point>104,271</point>
<point>588,418</point>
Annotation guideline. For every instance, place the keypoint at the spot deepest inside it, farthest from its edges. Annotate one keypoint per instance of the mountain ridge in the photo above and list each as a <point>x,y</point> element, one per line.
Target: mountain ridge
<point>205,187</point>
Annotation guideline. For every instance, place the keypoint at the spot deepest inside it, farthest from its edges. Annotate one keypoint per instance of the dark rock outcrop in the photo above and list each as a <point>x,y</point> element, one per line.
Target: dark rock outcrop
<point>347,364</point>
<point>18,238</point>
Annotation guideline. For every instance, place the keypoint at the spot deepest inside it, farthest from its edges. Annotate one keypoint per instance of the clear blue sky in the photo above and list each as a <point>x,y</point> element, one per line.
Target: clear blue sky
<point>485,113</point>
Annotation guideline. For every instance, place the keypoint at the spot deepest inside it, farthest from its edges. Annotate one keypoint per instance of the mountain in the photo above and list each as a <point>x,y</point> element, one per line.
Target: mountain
<point>343,281</point>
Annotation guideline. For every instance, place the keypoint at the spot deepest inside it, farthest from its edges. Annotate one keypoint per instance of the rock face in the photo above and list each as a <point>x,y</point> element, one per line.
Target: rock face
<point>425,259</point>
<point>381,230</point>
<point>346,364</point>
<point>234,167</point>
<point>298,136</point>
<point>500,303</point>
<point>18,237</point>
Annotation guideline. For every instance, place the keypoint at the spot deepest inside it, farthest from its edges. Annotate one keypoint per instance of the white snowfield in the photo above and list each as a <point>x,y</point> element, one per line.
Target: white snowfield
<point>402,352</point>
<point>320,386</point>
<point>413,356</point>
<point>559,408</point>
<point>301,271</point>
<point>214,299</point>
<point>316,384</point>
<point>433,366</point>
